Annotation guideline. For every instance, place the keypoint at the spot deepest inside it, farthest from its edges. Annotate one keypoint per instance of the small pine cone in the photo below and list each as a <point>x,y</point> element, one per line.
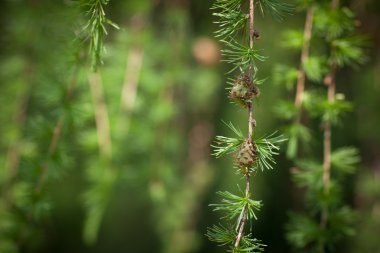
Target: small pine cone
<point>238,91</point>
<point>243,90</point>
<point>247,80</point>
<point>247,154</point>
<point>255,91</point>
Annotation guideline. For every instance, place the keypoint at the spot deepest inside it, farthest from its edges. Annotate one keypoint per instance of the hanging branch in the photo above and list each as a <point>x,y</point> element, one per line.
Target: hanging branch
<point>323,191</point>
<point>13,156</point>
<point>304,58</point>
<point>101,115</point>
<point>329,81</point>
<point>57,132</point>
<point>95,29</point>
<point>251,153</point>
<point>251,125</point>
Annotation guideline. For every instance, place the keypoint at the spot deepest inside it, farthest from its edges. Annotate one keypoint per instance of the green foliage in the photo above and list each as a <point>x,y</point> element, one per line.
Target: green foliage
<point>296,133</point>
<point>233,206</point>
<point>277,8</point>
<point>315,68</point>
<point>251,154</point>
<point>95,29</point>
<point>293,39</point>
<point>328,220</point>
<point>332,24</point>
<point>267,147</point>
<point>285,110</point>
<point>232,20</point>
<point>305,232</point>
<point>96,200</point>
<point>226,236</point>
<point>302,230</point>
<point>349,50</point>
<point>241,56</point>
<point>227,145</point>
<point>345,159</point>
<point>285,75</point>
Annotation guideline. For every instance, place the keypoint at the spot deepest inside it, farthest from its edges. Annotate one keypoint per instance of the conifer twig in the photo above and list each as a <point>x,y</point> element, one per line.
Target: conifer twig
<point>132,73</point>
<point>329,81</point>
<point>251,153</point>
<point>251,125</point>
<point>13,153</point>
<point>101,115</point>
<point>129,89</point>
<point>244,217</point>
<point>57,132</point>
<point>304,58</point>
<point>12,159</point>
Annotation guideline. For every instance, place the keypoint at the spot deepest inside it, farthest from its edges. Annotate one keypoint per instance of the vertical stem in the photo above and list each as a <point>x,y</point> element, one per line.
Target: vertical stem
<point>251,125</point>
<point>101,115</point>
<point>329,81</point>
<point>251,120</point>
<point>57,132</point>
<point>244,217</point>
<point>251,22</point>
<point>130,85</point>
<point>304,57</point>
<point>334,4</point>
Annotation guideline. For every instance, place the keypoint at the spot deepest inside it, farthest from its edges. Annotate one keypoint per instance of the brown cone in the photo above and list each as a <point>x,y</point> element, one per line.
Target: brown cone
<point>247,154</point>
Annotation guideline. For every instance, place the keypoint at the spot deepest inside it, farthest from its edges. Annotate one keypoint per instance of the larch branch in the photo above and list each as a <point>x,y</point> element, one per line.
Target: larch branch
<point>304,58</point>
<point>251,125</point>
<point>101,115</point>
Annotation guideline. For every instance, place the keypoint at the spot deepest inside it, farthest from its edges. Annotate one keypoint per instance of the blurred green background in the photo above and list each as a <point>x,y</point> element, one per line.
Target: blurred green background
<point>120,161</point>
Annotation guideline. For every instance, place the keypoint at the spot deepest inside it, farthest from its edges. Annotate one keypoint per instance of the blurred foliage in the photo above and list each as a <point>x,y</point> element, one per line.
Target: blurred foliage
<point>159,98</point>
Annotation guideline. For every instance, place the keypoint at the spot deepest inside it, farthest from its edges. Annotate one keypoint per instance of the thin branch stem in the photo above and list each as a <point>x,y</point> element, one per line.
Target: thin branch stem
<point>244,216</point>
<point>304,58</point>
<point>101,115</point>
<point>334,4</point>
<point>57,132</point>
<point>251,120</point>
<point>251,125</point>
<point>130,85</point>
<point>329,81</point>
<point>13,155</point>
<point>251,22</point>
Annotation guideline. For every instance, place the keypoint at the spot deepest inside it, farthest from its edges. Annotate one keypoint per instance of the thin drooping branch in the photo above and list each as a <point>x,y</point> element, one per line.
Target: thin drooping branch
<point>101,115</point>
<point>244,216</point>
<point>131,78</point>
<point>304,58</point>
<point>251,22</point>
<point>13,154</point>
<point>329,81</point>
<point>334,4</point>
<point>57,132</point>
<point>251,125</point>
<point>130,85</point>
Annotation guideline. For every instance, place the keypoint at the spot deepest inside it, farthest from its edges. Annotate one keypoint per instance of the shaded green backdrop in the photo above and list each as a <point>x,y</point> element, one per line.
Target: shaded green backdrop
<point>147,189</point>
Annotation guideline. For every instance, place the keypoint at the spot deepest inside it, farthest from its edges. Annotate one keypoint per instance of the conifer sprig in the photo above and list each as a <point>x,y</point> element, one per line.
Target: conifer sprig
<point>277,8</point>
<point>233,206</point>
<point>95,29</point>
<point>242,57</point>
<point>251,154</point>
<point>321,179</point>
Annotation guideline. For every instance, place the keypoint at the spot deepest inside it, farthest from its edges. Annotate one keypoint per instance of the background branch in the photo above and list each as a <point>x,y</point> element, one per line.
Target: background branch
<point>101,115</point>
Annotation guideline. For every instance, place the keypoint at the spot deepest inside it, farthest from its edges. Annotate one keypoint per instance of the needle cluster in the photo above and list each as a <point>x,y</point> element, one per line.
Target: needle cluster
<point>95,29</point>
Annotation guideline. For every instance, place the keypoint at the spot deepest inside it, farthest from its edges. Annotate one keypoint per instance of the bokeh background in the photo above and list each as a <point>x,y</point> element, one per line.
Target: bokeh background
<point>120,161</point>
